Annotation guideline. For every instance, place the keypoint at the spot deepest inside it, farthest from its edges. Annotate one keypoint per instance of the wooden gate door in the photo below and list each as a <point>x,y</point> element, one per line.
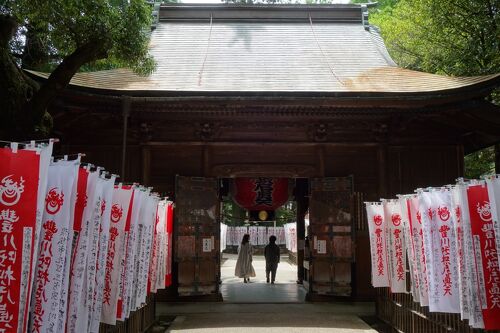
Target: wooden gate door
<point>331,238</point>
<point>197,233</point>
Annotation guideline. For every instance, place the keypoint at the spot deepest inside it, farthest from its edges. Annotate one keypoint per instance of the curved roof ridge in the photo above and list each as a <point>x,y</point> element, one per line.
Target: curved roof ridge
<point>377,39</point>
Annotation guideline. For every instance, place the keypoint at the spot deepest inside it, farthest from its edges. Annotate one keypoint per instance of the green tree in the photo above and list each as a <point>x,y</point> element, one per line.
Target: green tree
<point>480,163</point>
<point>286,213</point>
<point>452,37</point>
<point>62,36</point>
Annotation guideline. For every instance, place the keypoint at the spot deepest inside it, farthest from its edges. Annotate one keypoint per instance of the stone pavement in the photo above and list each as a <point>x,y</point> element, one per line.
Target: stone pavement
<point>303,318</point>
<point>285,289</point>
<point>262,307</point>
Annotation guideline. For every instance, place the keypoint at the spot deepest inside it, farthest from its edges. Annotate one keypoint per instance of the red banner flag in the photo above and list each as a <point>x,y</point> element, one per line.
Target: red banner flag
<point>170,225</point>
<point>19,177</point>
<point>486,254</point>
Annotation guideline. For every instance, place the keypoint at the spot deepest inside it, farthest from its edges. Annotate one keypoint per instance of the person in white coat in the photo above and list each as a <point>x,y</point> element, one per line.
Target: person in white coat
<point>244,268</point>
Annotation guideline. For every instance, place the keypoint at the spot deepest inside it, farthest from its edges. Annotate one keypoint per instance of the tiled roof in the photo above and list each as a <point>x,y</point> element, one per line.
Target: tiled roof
<point>311,51</point>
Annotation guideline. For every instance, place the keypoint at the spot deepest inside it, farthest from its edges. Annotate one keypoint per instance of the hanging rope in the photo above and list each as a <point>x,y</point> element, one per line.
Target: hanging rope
<point>200,73</point>
<point>325,58</point>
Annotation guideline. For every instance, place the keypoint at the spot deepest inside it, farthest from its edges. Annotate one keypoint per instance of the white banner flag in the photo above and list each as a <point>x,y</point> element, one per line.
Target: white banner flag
<point>395,246</point>
<point>156,252</point>
<point>439,241</point>
<point>120,206</point>
<point>376,227</point>
<point>404,202</point>
<point>149,217</point>
<point>102,252</point>
<point>464,294</point>
<point>27,282</point>
<point>417,240</point>
<point>475,312</point>
<point>54,240</point>
<point>87,201</point>
<point>132,253</point>
<point>85,306</point>
<point>223,236</point>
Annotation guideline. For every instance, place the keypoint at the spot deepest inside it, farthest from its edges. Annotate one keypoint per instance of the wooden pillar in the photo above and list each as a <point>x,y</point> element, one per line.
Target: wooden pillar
<point>301,190</point>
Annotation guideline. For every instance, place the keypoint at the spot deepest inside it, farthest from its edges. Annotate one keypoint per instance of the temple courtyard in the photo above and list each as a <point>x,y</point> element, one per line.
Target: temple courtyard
<point>262,307</point>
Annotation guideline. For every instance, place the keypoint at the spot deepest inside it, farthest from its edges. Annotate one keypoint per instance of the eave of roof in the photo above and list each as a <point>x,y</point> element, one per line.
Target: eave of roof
<point>400,84</point>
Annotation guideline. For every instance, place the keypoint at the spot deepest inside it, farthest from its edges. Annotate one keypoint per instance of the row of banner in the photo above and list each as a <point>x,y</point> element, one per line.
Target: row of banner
<point>449,238</point>
<point>76,249</point>
<point>259,235</point>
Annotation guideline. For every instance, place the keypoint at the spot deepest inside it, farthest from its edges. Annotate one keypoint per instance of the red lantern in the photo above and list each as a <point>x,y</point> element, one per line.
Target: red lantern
<point>260,193</point>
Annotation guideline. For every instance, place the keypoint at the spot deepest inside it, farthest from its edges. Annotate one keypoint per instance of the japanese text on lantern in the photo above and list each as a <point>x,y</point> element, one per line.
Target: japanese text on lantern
<point>264,190</point>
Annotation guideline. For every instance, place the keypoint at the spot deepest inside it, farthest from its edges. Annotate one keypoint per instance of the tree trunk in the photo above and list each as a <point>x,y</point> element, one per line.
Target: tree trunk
<point>16,88</point>
<point>35,54</point>
<point>24,103</point>
<point>61,76</point>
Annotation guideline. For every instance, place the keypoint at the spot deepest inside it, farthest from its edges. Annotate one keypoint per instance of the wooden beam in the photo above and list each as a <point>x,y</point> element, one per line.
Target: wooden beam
<point>261,144</point>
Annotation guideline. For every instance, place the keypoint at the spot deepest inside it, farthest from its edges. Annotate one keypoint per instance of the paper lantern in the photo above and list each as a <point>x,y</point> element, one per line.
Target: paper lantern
<point>258,194</point>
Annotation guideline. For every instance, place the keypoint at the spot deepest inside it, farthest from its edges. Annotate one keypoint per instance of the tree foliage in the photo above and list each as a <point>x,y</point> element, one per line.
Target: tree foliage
<point>452,37</point>
<point>63,36</point>
<point>480,163</point>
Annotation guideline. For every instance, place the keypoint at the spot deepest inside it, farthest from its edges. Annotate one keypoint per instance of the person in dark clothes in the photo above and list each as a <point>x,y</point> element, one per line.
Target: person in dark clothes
<point>272,255</point>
